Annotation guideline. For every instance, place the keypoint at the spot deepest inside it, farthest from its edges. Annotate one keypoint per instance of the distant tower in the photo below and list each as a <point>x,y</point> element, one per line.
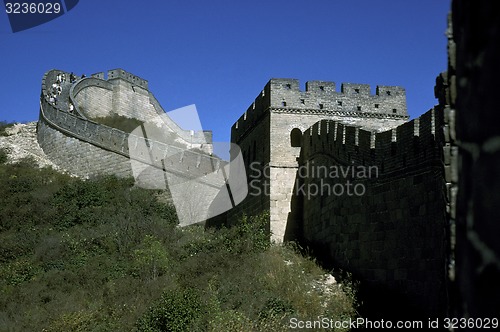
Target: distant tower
<point>269,134</point>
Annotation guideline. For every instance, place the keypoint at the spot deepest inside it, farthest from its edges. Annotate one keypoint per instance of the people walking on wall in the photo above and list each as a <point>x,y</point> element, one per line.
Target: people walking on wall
<point>72,77</point>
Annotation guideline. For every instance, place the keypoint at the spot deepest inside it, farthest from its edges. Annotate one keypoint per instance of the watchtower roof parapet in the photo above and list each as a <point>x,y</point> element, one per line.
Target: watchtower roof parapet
<point>120,73</point>
<point>353,100</point>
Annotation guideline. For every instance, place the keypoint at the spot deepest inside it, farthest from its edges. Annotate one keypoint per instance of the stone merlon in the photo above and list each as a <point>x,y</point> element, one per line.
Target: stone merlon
<point>353,100</point>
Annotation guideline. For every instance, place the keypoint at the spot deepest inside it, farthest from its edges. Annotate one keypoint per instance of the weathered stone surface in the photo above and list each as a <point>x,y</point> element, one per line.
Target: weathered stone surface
<point>86,148</point>
<point>433,199</point>
<point>282,113</point>
<point>473,63</point>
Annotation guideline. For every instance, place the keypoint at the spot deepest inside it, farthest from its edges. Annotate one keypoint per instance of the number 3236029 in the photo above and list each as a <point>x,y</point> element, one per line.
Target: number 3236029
<point>32,8</point>
<point>477,323</point>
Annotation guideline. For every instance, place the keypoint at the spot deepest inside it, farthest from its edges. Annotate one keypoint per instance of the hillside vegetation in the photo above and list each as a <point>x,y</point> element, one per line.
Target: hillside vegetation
<point>119,122</point>
<point>103,255</point>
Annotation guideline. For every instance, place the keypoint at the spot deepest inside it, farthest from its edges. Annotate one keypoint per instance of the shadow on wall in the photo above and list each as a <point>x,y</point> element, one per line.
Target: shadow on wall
<point>390,230</point>
<point>473,62</point>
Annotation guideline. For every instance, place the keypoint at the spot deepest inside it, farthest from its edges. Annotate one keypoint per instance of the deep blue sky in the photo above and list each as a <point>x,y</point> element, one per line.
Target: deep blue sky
<point>220,54</point>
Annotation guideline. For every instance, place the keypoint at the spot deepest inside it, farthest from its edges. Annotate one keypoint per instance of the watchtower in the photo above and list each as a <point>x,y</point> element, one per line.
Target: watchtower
<point>270,133</point>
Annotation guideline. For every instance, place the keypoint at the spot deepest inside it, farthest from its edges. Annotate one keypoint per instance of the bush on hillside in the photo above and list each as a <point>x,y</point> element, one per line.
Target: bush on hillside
<point>101,254</point>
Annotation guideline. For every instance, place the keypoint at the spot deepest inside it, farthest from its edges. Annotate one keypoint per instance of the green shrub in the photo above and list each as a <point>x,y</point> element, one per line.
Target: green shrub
<point>150,260</point>
<point>275,307</point>
<point>178,310</point>
<point>103,255</point>
<point>18,271</point>
<point>78,321</point>
<point>3,156</point>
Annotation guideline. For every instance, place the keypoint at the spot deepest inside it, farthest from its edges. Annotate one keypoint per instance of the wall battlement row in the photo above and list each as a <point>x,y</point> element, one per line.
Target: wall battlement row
<point>157,154</point>
<point>123,74</point>
<point>98,80</point>
<point>408,144</point>
<point>354,100</point>
<point>320,87</point>
<point>120,73</point>
<point>389,230</point>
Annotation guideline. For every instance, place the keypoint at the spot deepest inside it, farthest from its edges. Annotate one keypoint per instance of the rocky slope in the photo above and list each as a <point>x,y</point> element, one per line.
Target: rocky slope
<point>21,142</point>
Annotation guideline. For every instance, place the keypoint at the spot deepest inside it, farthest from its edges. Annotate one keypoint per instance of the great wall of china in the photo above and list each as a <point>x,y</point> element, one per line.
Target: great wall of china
<point>84,147</point>
<point>424,230</point>
<point>367,234</point>
<point>393,235</point>
<point>87,147</point>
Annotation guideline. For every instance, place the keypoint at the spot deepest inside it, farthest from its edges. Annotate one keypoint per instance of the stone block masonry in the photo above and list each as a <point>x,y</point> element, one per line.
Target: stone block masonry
<point>473,151</point>
<point>281,113</point>
<point>87,148</point>
<point>83,159</point>
<point>390,229</point>
<point>393,234</point>
<point>424,227</point>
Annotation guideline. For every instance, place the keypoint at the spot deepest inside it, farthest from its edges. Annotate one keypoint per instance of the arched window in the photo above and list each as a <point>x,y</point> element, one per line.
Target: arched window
<point>296,137</point>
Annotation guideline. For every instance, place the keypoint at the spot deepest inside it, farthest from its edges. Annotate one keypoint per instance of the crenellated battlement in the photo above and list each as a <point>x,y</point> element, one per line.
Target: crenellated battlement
<point>405,146</point>
<point>120,73</point>
<point>97,84</point>
<point>321,97</point>
<point>375,203</point>
<point>271,132</point>
<point>160,155</point>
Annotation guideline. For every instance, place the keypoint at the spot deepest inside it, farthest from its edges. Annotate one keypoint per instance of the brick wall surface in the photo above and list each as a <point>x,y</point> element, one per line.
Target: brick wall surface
<point>87,148</point>
<point>423,228</point>
<point>264,131</point>
<point>471,83</point>
<point>386,222</point>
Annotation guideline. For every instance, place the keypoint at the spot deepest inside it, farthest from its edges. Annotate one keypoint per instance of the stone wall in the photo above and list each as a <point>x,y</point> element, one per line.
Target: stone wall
<point>321,95</point>
<point>264,133</point>
<point>77,133</point>
<point>472,83</point>
<point>92,97</point>
<point>78,157</point>
<point>132,101</point>
<point>255,148</point>
<point>87,148</point>
<point>200,139</point>
<point>385,220</point>
<point>320,98</point>
<point>126,76</point>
